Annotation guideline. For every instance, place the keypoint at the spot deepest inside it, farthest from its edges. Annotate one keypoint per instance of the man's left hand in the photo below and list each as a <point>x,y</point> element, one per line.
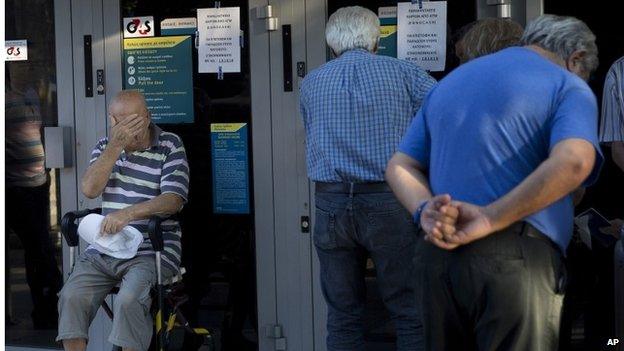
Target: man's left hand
<point>114,222</point>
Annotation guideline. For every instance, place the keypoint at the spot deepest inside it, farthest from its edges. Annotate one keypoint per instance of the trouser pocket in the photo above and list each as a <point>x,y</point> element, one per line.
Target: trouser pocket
<point>324,234</point>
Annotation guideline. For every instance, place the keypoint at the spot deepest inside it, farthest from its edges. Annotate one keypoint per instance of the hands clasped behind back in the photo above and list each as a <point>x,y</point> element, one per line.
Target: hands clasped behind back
<point>449,224</point>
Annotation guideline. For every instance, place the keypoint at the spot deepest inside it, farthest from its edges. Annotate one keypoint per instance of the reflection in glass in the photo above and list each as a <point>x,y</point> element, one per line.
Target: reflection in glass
<point>217,249</point>
<point>33,275</point>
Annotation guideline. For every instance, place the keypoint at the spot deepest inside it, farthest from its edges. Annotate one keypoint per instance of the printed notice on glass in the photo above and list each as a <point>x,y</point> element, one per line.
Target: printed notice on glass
<point>162,69</point>
<point>219,40</point>
<point>388,31</point>
<point>230,168</point>
<point>422,34</point>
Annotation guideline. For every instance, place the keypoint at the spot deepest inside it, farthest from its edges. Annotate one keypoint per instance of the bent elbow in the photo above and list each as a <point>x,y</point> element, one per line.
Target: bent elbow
<point>581,167</point>
<point>390,169</point>
<point>88,191</point>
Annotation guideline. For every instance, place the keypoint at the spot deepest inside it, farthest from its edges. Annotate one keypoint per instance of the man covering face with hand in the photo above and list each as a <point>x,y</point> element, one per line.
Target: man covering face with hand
<point>140,171</point>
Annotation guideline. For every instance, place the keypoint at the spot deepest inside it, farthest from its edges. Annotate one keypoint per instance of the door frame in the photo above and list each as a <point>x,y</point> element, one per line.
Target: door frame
<point>263,176</point>
<point>90,121</point>
<point>317,55</point>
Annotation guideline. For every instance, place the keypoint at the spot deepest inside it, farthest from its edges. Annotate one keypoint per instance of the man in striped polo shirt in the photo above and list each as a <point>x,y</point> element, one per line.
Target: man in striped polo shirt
<point>612,124</point>
<point>140,171</point>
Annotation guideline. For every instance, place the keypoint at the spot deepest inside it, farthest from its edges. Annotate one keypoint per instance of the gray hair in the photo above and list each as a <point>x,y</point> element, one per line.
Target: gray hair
<point>563,36</point>
<point>352,27</point>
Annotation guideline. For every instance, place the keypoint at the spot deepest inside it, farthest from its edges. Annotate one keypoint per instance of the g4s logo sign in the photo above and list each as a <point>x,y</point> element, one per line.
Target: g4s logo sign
<point>13,51</point>
<point>16,50</point>
<point>138,27</point>
<point>135,25</point>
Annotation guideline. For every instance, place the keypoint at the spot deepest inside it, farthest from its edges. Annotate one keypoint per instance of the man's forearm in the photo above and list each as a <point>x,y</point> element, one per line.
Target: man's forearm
<point>555,178</point>
<point>161,205</point>
<point>97,175</point>
<point>408,183</point>
<point>617,153</point>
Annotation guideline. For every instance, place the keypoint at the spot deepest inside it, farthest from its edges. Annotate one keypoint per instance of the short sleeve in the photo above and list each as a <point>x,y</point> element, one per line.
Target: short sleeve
<point>175,172</point>
<point>576,117</point>
<point>421,84</point>
<point>302,107</point>
<point>417,141</point>
<point>97,150</point>
<point>612,116</point>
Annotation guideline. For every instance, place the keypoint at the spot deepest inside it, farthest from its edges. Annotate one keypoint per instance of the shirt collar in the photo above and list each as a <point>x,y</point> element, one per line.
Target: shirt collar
<point>356,51</point>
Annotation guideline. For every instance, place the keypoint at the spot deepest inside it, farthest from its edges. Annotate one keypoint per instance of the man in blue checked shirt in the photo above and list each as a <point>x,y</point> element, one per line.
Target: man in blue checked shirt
<point>356,109</point>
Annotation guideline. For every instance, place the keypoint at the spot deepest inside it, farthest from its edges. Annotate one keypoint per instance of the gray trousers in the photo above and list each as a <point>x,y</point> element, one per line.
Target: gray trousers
<point>93,277</point>
<point>503,292</point>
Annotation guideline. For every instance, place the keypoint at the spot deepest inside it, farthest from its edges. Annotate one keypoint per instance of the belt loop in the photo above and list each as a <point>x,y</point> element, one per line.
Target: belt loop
<point>351,186</point>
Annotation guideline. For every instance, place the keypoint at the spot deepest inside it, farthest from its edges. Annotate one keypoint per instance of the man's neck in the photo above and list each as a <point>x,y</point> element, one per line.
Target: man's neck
<point>549,55</point>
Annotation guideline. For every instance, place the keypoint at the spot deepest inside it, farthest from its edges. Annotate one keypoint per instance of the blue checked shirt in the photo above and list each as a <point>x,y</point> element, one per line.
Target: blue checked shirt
<point>355,110</point>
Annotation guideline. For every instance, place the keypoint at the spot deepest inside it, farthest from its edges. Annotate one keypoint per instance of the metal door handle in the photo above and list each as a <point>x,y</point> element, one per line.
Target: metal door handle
<point>287,58</point>
<point>88,66</point>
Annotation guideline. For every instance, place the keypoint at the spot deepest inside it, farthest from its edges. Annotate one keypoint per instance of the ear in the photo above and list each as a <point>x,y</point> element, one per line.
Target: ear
<point>574,64</point>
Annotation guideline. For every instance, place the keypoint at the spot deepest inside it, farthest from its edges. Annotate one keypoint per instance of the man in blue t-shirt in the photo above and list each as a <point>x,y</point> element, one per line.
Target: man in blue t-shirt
<point>508,137</point>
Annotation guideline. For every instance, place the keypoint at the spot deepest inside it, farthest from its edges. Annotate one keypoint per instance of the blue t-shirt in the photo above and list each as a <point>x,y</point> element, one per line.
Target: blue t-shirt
<point>493,121</point>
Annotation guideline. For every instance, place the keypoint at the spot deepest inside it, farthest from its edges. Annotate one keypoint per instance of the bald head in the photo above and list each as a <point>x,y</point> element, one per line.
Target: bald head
<point>126,103</point>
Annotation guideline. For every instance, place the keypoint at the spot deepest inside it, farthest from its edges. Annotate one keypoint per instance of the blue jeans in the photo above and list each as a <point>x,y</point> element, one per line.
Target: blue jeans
<point>349,229</point>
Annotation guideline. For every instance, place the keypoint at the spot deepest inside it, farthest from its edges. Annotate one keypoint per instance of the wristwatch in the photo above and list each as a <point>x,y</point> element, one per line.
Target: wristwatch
<point>418,213</point>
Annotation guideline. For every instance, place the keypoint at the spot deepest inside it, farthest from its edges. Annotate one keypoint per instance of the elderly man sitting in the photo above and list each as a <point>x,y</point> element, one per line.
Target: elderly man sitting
<point>140,171</point>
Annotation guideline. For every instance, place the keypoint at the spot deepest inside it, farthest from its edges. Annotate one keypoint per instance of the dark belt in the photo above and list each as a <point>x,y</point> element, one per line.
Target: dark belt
<point>352,188</point>
<point>531,232</point>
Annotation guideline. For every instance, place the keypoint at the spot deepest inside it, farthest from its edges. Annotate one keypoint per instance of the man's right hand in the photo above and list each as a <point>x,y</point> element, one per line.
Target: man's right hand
<point>125,132</point>
<point>438,220</point>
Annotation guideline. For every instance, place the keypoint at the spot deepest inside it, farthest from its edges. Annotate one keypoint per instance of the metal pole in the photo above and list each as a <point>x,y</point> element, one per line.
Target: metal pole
<point>160,328</point>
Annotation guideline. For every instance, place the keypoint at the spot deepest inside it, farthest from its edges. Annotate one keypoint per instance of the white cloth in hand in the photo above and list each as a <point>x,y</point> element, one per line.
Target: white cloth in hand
<point>122,245</point>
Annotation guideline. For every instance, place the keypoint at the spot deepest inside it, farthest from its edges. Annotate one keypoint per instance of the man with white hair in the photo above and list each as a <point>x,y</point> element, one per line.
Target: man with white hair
<point>355,110</point>
<point>140,171</point>
<point>509,137</point>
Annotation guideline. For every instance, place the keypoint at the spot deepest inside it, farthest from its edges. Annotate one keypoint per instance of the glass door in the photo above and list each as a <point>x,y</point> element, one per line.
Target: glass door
<point>164,49</point>
<point>33,197</point>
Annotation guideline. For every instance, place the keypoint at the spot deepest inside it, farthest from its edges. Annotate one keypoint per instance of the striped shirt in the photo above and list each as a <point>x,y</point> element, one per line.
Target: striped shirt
<point>612,119</point>
<point>142,175</point>
<point>24,153</point>
<point>355,110</point>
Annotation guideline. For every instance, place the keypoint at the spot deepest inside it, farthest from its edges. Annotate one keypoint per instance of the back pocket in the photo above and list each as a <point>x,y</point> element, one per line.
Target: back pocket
<point>324,229</point>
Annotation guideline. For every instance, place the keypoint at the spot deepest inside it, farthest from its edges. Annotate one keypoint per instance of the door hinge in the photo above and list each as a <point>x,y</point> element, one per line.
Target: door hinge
<point>266,13</point>
<point>276,333</point>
